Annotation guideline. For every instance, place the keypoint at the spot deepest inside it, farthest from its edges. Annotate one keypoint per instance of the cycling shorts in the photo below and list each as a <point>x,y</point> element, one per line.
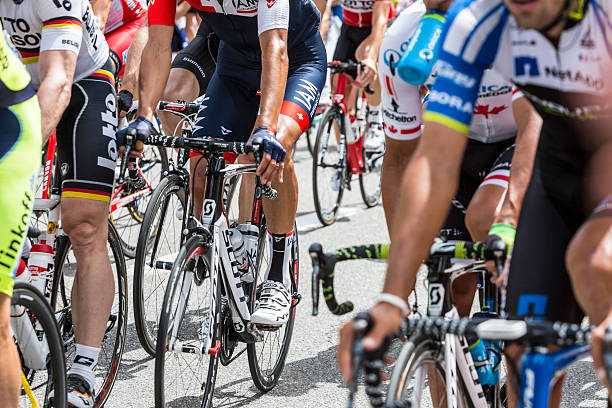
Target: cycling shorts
<point>86,142</point>
<point>119,42</point>
<point>552,212</point>
<point>483,164</point>
<point>349,40</point>
<point>200,56</point>
<point>19,163</point>
<point>232,101</point>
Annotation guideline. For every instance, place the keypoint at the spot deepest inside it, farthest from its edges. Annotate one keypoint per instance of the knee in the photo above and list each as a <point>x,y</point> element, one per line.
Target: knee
<point>478,223</point>
<point>398,154</point>
<point>83,232</point>
<point>588,261</point>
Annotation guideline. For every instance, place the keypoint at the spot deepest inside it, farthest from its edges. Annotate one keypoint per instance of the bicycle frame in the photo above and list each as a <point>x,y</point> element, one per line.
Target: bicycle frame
<point>539,368</point>
<point>353,141</point>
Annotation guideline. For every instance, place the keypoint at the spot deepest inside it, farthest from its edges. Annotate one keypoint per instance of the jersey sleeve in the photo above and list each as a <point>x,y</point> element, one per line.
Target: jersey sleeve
<point>516,93</point>
<point>162,12</point>
<point>469,46</point>
<point>62,24</point>
<point>272,14</point>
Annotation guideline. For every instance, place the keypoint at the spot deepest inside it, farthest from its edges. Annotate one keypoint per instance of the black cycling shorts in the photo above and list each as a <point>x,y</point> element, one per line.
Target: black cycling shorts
<point>200,56</point>
<point>552,212</point>
<point>86,142</point>
<point>483,163</point>
<point>350,38</point>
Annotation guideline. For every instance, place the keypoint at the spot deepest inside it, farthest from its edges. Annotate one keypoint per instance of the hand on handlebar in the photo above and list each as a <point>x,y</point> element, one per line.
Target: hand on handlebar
<point>367,72</point>
<point>272,162</point>
<point>124,101</point>
<point>139,130</point>
<point>386,320</point>
<point>501,235</point>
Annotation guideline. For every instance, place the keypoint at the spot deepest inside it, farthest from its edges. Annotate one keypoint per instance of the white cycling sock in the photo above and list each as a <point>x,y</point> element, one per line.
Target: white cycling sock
<point>280,257</point>
<point>85,362</point>
<point>375,114</point>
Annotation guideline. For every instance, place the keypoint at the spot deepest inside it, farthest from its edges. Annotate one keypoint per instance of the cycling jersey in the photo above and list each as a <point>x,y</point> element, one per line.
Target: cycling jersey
<point>41,25</point>
<point>492,120</point>
<point>358,13</point>
<point>122,12</point>
<point>20,140</point>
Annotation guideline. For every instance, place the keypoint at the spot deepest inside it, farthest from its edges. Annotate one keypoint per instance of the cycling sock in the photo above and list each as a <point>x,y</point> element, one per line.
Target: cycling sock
<point>375,114</point>
<point>280,257</point>
<point>85,362</point>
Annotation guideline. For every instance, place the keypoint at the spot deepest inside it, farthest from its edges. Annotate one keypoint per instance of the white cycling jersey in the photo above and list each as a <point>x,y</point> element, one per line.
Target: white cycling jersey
<point>492,121</point>
<point>42,25</point>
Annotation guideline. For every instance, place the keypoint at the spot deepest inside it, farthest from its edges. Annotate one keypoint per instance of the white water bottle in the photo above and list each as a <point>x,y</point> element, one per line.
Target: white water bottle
<point>238,247</point>
<point>41,259</point>
<point>250,236</point>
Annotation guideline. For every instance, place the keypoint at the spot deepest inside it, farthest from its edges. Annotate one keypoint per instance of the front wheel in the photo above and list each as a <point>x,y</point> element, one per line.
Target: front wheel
<point>267,357</point>
<point>329,166</point>
<point>370,177</point>
<point>185,373</point>
<point>418,378</point>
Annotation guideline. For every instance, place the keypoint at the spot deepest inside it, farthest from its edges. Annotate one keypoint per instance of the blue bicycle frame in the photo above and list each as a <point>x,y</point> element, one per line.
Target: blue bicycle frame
<point>538,371</point>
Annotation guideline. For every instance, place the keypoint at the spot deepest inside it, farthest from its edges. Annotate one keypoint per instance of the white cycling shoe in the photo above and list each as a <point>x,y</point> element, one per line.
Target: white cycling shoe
<point>273,306</point>
<point>78,392</point>
<point>374,137</point>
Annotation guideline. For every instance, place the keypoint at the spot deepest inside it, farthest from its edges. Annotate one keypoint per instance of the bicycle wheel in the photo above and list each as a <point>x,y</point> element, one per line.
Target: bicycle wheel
<point>30,310</point>
<point>418,378</point>
<point>185,378</point>
<point>114,337</point>
<point>128,217</point>
<point>159,242</point>
<point>370,177</point>
<point>329,166</point>
<point>267,357</point>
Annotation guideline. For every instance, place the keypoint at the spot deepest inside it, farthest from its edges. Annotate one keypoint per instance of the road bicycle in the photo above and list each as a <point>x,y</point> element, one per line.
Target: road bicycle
<point>338,153</point>
<point>208,301</point>
<point>133,187</point>
<point>45,227</point>
<point>40,348</point>
<point>160,237</point>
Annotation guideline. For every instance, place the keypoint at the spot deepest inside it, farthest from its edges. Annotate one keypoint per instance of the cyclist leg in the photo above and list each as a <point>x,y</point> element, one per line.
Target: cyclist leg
<point>87,152</point>
<point>20,146</point>
<point>192,69</point>
<point>589,255</point>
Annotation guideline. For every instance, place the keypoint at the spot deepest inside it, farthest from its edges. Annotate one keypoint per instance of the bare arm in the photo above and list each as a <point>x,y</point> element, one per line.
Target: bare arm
<point>321,5</point>
<point>130,74</point>
<point>100,9</point>
<point>56,68</point>
<point>529,124</point>
<point>154,69</point>
<point>371,45</point>
<point>274,68</point>
<point>324,25</point>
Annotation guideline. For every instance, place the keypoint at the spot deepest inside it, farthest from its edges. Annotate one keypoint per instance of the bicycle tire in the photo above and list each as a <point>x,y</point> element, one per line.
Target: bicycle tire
<point>328,217</point>
<point>134,208</point>
<point>170,189</point>
<point>192,247</point>
<point>417,350</point>
<point>27,296</point>
<point>370,199</point>
<point>262,380</point>
<point>109,354</point>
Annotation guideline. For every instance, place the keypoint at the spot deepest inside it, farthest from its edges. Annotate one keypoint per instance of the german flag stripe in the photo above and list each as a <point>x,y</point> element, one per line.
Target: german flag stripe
<point>87,194</point>
<point>29,57</point>
<point>102,73</point>
<point>63,22</point>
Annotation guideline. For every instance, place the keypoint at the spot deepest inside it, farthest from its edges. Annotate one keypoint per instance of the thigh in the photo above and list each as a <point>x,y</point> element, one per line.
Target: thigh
<point>229,110</point>
<point>538,284</point>
<point>86,141</point>
<point>199,57</point>
<point>345,48</point>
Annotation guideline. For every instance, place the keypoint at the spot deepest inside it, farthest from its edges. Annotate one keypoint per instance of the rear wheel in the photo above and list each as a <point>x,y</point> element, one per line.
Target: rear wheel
<point>114,337</point>
<point>159,242</point>
<point>184,378</point>
<point>267,357</point>
<point>47,372</point>
<point>329,166</point>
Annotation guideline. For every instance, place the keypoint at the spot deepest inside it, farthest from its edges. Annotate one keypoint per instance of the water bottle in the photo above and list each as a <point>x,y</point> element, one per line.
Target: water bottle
<point>239,250</point>
<point>34,349</point>
<point>22,274</point>
<point>418,60</point>
<point>486,354</point>
<point>250,236</point>
<point>39,263</point>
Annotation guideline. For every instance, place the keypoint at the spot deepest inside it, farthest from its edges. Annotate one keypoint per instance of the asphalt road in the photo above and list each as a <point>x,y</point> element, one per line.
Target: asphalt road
<point>310,378</point>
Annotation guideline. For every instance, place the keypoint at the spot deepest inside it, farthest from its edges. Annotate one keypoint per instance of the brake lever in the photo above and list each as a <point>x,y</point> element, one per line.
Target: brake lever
<point>316,252</point>
<point>129,139</point>
<point>361,325</point>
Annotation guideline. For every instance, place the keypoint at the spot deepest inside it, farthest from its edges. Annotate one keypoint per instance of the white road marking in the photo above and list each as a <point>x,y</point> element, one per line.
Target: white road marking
<point>309,221</point>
